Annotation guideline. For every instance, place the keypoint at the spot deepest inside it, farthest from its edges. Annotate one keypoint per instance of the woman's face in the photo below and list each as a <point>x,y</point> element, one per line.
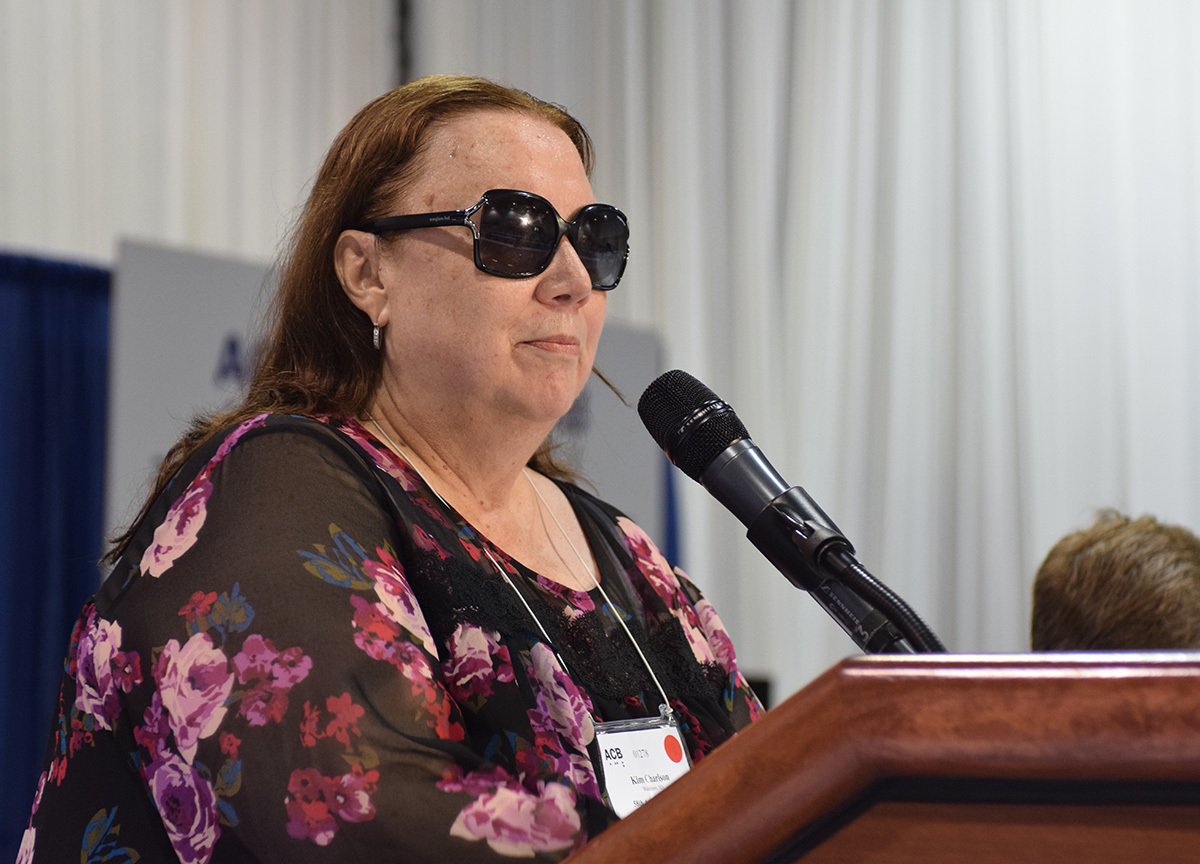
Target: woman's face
<point>468,346</point>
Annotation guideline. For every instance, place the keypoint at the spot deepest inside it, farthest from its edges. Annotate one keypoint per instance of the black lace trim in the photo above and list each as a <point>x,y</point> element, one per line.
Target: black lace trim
<point>453,591</point>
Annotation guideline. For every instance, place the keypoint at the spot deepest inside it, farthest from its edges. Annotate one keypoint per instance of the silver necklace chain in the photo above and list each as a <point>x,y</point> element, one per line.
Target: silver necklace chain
<point>665,707</point>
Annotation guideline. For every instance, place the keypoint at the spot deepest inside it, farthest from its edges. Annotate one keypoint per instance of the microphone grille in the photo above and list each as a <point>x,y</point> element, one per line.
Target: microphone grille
<point>688,421</point>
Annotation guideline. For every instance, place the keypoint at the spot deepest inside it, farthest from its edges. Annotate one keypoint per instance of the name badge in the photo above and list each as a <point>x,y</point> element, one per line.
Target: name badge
<point>639,759</point>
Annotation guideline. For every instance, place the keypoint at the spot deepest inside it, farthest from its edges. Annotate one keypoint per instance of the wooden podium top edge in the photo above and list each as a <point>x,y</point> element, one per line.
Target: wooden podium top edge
<point>1080,717</point>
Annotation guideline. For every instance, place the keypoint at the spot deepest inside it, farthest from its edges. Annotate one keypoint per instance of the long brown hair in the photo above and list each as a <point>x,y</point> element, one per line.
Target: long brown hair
<point>317,357</point>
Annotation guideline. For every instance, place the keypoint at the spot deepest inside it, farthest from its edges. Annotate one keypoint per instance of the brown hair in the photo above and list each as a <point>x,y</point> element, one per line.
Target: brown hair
<point>1121,584</point>
<point>317,357</point>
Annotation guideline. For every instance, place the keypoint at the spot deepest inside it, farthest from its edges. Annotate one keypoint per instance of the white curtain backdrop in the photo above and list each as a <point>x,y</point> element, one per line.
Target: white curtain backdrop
<point>197,122</point>
<point>940,256</point>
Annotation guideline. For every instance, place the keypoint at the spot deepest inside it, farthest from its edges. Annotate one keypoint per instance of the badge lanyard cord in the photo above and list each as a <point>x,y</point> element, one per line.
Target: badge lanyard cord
<point>665,710</point>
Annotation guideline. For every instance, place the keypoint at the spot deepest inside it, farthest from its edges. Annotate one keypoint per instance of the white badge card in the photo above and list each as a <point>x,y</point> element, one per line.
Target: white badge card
<point>639,758</point>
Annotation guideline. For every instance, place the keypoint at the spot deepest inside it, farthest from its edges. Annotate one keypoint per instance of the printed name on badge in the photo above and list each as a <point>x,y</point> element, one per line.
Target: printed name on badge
<point>639,759</point>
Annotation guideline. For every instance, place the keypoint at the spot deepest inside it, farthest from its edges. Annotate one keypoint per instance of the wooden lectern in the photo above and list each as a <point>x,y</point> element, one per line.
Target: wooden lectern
<point>942,757</point>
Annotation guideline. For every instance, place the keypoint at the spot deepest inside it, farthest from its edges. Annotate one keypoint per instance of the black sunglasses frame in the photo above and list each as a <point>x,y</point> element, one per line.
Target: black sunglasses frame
<point>462,218</point>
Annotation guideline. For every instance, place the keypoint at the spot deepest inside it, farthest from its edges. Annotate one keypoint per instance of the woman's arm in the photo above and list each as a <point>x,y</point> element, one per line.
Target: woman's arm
<point>280,696</point>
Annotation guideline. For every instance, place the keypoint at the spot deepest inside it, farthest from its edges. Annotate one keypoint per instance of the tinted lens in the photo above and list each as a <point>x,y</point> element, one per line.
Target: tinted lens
<point>517,234</point>
<point>602,242</point>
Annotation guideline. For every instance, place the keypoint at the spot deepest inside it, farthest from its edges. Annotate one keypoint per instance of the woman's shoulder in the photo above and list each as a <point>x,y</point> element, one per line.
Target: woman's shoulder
<point>293,440</point>
<point>258,491</point>
<point>256,466</point>
<point>292,456</point>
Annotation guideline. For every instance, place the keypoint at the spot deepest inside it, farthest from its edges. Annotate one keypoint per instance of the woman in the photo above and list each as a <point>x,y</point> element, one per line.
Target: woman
<point>365,616</point>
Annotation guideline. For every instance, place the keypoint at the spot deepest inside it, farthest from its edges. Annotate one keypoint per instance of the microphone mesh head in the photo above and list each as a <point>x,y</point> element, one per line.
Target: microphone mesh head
<point>688,421</point>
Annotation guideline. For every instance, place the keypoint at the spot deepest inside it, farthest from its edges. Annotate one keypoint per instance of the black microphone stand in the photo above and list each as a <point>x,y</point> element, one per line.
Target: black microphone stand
<point>876,619</point>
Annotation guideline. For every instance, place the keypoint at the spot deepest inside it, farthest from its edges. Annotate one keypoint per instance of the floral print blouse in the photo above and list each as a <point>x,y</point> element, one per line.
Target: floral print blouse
<point>305,656</point>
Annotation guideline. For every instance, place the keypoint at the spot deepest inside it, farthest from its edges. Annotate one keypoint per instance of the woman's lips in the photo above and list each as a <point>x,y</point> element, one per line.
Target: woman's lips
<point>556,344</point>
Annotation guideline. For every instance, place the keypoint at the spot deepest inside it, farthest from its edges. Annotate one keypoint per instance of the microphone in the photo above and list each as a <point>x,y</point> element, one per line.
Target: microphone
<point>706,440</point>
<point>703,437</point>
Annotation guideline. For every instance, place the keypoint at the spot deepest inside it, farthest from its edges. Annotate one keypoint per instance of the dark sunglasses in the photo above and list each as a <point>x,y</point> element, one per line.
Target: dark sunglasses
<point>517,234</point>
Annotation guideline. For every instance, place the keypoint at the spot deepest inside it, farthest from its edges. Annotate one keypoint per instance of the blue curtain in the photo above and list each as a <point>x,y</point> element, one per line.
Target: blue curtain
<point>53,380</point>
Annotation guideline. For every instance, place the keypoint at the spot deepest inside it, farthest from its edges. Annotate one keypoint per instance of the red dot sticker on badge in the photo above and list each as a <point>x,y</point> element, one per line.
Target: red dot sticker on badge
<point>674,748</point>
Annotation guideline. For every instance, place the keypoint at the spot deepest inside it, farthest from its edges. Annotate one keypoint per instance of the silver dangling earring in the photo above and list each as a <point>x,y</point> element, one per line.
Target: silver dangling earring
<point>375,337</point>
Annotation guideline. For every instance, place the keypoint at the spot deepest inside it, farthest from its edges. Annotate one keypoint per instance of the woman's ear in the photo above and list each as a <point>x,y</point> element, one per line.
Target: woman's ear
<point>356,260</point>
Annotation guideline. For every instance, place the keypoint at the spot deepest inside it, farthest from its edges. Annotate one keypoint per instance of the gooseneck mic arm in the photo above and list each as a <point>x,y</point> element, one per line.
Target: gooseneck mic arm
<point>704,437</point>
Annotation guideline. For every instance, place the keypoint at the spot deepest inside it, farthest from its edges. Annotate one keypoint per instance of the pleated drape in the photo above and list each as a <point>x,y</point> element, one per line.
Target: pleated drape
<point>54,357</point>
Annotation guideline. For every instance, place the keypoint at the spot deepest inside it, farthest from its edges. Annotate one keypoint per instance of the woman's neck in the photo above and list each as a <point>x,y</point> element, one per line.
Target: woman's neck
<point>487,485</point>
<point>475,466</point>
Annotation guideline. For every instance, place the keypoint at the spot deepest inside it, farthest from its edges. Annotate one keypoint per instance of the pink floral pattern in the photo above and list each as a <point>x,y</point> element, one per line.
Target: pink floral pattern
<point>339,722</point>
<point>194,681</point>
<point>561,705</point>
<point>270,674</point>
<point>25,852</point>
<point>188,808</point>
<point>323,678</point>
<point>715,635</point>
<point>103,671</point>
<point>426,543</point>
<point>514,821</point>
<point>309,817</point>
<point>384,457</point>
<point>316,803</point>
<point>154,732</point>
<point>562,713</point>
<point>477,661</point>
<point>397,597</point>
<point>665,581</point>
<point>178,533</point>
